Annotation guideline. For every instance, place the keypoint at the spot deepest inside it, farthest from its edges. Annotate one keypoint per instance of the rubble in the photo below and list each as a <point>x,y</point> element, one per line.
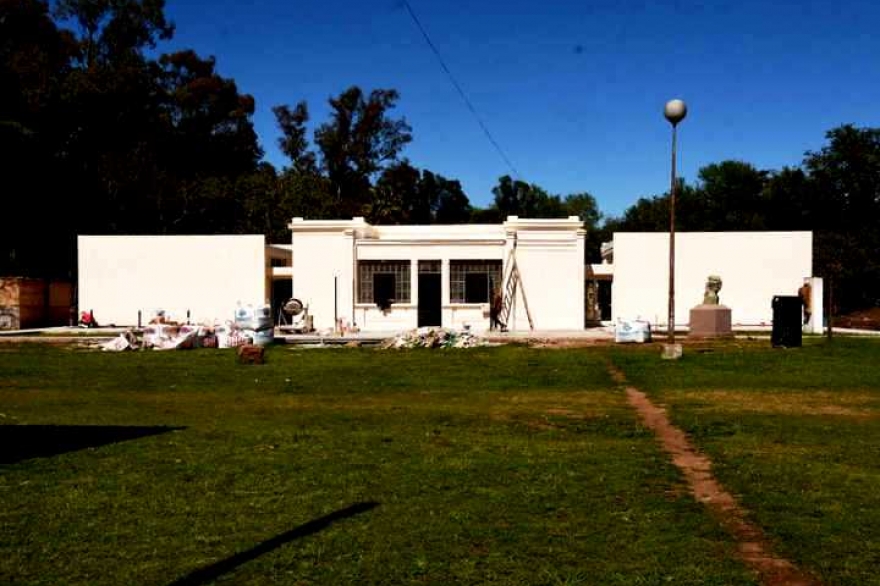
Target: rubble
<point>434,338</point>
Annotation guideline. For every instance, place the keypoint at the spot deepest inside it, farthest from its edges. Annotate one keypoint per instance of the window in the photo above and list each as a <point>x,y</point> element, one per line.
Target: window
<point>472,281</point>
<point>430,266</point>
<point>383,282</point>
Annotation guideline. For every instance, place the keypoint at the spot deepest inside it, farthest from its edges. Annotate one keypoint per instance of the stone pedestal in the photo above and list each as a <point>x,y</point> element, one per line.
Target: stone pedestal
<point>671,352</point>
<point>710,321</point>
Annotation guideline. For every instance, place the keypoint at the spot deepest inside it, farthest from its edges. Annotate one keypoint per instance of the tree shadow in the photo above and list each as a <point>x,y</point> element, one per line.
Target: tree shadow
<point>22,442</point>
<point>215,570</point>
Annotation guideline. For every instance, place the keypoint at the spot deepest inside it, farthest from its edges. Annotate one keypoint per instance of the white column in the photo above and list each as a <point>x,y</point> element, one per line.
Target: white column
<point>445,315</point>
<point>414,281</point>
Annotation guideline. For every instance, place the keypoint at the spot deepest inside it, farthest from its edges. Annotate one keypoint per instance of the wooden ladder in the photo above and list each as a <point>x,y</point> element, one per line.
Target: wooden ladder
<point>511,285</point>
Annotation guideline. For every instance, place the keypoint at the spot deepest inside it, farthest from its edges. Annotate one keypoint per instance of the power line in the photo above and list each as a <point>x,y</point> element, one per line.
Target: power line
<point>461,92</point>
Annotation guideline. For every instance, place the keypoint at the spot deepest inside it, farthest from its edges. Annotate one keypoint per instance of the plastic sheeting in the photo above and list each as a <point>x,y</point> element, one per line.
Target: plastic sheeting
<point>638,331</point>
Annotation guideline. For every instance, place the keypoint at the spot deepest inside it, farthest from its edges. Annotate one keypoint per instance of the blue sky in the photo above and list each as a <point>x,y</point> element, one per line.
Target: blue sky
<point>572,90</point>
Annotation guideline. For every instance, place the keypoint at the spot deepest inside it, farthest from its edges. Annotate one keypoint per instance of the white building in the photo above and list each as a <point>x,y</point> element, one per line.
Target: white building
<point>203,277</point>
<point>393,278</point>
<point>754,267</point>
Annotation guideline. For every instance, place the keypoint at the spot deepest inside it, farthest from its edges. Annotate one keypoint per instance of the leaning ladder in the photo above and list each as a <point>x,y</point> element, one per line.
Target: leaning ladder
<point>511,285</point>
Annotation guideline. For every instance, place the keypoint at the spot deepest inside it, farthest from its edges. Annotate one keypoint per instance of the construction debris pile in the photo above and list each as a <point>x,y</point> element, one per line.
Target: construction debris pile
<point>434,338</point>
<point>251,326</point>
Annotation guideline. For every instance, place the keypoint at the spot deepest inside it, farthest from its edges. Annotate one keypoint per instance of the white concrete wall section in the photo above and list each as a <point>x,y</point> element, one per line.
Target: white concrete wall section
<point>208,275</point>
<point>439,243</point>
<point>550,256</point>
<point>323,261</point>
<point>753,266</point>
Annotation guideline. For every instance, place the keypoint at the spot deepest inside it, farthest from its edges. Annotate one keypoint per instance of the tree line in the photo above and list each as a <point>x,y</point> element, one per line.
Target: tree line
<point>100,133</point>
<point>103,134</point>
<point>835,193</point>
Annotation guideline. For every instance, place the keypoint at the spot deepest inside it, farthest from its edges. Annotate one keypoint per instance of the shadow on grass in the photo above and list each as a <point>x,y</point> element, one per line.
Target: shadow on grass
<point>214,571</point>
<point>22,442</point>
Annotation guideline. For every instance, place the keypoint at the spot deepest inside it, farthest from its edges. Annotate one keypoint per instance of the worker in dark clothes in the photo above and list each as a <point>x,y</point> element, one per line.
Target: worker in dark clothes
<point>495,308</point>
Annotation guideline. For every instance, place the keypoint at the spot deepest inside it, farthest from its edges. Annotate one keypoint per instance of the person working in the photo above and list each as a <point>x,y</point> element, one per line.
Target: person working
<point>495,307</point>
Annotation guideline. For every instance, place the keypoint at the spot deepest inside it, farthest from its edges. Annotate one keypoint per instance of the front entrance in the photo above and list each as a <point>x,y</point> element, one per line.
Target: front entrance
<point>429,300</point>
<point>282,290</point>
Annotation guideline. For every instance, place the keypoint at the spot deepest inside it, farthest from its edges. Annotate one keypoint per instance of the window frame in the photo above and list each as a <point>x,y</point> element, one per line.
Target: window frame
<point>400,270</point>
<point>458,276</point>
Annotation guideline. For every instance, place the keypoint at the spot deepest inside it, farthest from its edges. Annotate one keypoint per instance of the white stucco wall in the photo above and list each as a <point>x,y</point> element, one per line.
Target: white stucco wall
<point>550,254</point>
<point>208,275</point>
<point>323,258</point>
<point>754,266</point>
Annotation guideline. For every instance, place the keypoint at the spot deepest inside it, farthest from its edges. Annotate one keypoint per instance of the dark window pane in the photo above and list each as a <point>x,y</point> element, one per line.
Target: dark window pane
<point>459,271</point>
<point>400,270</point>
<point>383,289</point>
<point>476,288</point>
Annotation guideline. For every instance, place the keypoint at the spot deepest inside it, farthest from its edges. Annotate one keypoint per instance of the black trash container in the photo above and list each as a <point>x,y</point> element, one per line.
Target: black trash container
<point>786,321</point>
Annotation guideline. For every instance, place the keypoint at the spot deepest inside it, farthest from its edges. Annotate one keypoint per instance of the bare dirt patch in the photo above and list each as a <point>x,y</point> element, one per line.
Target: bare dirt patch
<point>752,545</point>
<point>866,319</point>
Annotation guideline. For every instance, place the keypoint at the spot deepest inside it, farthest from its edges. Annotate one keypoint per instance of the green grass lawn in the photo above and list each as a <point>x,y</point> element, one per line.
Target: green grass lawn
<point>795,433</point>
<point>484,466</point>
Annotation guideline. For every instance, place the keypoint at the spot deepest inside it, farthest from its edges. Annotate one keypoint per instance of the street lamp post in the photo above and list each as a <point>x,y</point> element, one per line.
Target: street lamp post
<point>675,111</point>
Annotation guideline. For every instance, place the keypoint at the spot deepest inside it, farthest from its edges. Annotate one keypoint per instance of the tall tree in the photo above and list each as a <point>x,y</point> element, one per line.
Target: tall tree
<point>293,142</point>
<point>846,197</point>
<point>114,32</point>
<point>451,204</point>
<point>34,57</point>
<point>358,142</point>
<point>729,197</point>
<point>396,196</point>
<point>209,121</point>
<point>847,176</point>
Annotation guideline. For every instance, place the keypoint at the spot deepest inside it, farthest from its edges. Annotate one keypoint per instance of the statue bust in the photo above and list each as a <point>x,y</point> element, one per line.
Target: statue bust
<point>713,286</point>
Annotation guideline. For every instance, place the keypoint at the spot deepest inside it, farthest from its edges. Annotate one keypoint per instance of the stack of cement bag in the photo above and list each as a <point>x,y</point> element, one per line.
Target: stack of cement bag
<point>637,330</point>
<point>254,323</point>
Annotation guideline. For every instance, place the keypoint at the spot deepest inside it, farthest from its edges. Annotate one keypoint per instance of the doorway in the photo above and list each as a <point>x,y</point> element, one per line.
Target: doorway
<point>282,290</point>
<point>429,300</point>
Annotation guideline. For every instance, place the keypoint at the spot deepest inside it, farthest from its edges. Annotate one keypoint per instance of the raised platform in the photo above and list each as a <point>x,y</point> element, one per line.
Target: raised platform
<point>710,321</point>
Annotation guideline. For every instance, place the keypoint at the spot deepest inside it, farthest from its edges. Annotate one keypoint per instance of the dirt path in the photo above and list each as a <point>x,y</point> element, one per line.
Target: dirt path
<point>753,546</point>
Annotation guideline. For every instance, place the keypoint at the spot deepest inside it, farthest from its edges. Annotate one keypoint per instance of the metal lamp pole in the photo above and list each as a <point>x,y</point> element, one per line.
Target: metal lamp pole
<point>675,111</point>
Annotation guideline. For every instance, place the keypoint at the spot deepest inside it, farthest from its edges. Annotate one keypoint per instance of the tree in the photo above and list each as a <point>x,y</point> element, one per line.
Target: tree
<point>452,204</point>
<point>512,197</point>
<point>293,142</point>
<point>406,195</point>
<point>34,57</point>
<point>208,120</point>
<point>847,176</point>
<point>845,195</point>
<point>358,142</point>
<point>584,206</point>
<point>791,201</point>
<point>115,32</point>
<point>397,196</point>
<point>728,197</point>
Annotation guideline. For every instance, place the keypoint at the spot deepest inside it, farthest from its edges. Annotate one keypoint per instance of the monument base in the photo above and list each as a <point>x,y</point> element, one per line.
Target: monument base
<point>671,352</point>
<point>710,321</point>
